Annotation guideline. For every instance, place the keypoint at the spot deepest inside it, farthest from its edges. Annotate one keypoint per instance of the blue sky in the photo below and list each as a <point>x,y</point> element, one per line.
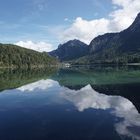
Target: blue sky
<point>35,22</point>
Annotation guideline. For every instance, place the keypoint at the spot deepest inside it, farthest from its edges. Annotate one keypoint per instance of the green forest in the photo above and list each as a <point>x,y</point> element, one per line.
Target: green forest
<point>15,56</point>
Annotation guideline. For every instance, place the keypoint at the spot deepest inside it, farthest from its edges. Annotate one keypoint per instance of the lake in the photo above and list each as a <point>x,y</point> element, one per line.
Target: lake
<point>79,103</point>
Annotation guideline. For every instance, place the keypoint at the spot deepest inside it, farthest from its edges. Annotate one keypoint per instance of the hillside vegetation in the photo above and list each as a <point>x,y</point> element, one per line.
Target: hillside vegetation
<point>15,56</point>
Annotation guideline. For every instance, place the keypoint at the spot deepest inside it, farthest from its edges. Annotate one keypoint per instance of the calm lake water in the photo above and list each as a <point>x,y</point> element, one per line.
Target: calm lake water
<point>81,103</point>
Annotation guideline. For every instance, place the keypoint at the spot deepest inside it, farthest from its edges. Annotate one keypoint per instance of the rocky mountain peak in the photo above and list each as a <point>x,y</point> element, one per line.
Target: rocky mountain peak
<point>70,50</point>
<point>136,24</point>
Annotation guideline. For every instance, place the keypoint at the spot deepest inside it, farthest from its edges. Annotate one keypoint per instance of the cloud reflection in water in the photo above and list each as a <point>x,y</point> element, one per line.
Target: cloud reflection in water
<point>87,97</point>
<point>121,107</point>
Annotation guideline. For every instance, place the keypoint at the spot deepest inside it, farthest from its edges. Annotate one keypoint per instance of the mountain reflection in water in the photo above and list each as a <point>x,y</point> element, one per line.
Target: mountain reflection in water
<point>120,107</point>
<point>87,97</point>
<point>70,104</point>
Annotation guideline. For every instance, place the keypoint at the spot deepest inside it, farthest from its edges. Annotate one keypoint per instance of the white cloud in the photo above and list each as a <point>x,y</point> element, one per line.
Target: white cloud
<point>119,19</point>
<point>39,46</point>
<point>85,30</point>
<point>123,17</point>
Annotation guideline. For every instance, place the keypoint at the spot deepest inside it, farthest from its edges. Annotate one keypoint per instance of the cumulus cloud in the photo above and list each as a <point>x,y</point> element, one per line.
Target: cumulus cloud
<point>85,30</point>
<point>124,16</point>
<point>39,46</point>
<point>117,20</point>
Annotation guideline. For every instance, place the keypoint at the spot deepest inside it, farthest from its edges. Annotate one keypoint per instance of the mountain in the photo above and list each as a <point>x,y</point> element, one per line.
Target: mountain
<point>126,41</point>
<point>70,50</point>
<point>122,47</point>
<point>15,56</point>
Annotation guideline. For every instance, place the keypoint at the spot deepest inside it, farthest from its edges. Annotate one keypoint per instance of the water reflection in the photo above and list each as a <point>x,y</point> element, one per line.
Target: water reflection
<point>72,77</point>
<point>75,104</point>
<point>97,76</point>
<point>128,123</point>
<point>39,85</point>
<point>10,79</point>
<point>120,107</point>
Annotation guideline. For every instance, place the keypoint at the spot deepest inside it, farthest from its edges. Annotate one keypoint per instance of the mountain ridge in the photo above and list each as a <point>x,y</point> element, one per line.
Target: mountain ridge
<point>121,47</point>
<point>70,50</point>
